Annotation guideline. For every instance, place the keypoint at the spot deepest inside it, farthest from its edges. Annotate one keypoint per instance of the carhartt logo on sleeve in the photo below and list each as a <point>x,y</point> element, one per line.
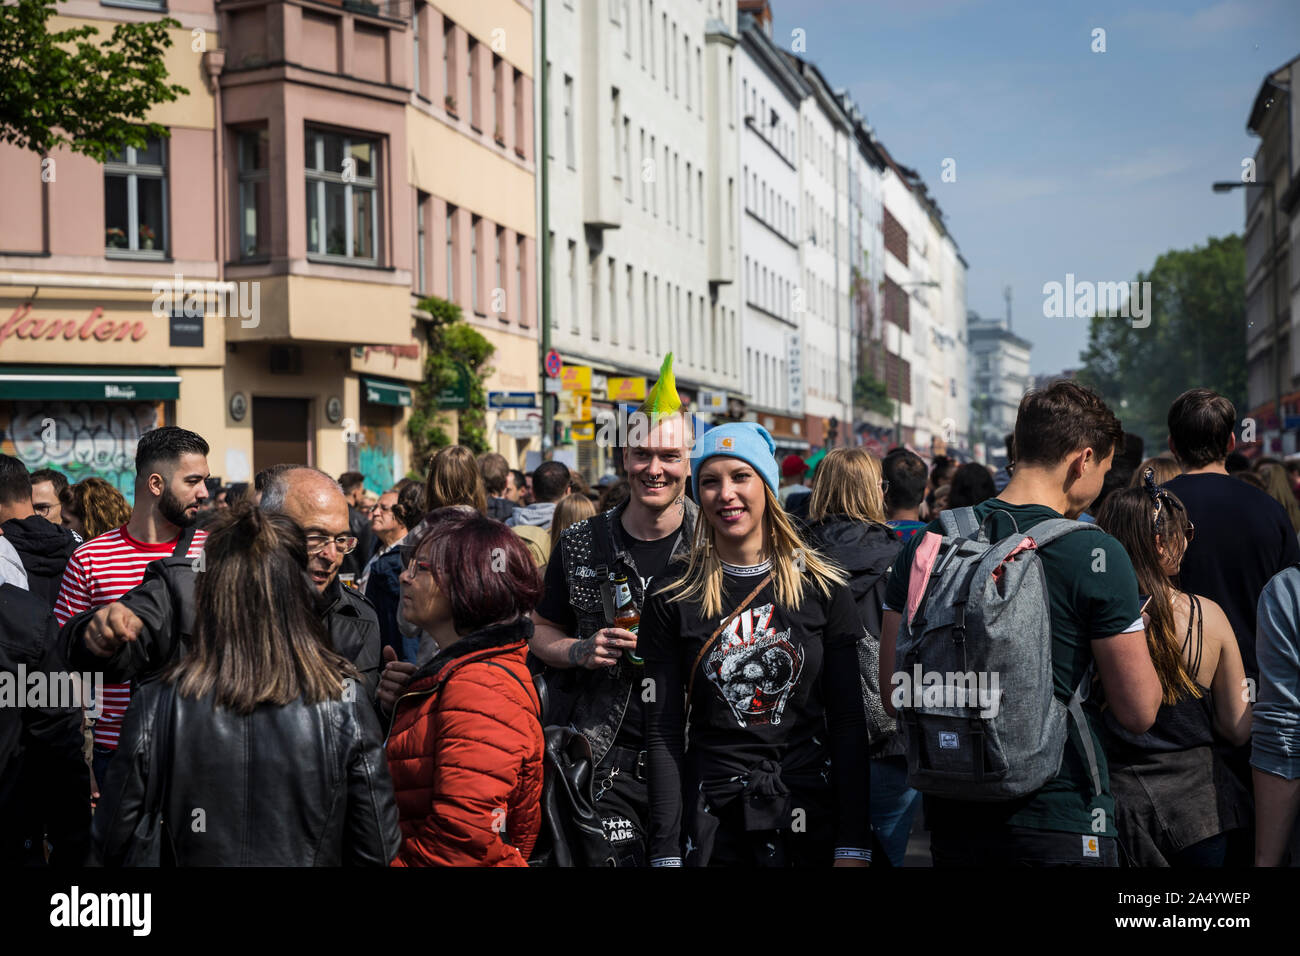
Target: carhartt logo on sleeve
<point>948,741</point>
<point>1091,850</point>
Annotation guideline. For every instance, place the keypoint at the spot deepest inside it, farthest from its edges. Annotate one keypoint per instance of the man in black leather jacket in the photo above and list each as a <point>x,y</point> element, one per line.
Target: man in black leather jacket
<point>136,636</point>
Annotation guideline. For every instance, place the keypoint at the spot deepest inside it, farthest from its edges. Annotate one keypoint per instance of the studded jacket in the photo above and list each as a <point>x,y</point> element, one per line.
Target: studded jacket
<point>600,697</point>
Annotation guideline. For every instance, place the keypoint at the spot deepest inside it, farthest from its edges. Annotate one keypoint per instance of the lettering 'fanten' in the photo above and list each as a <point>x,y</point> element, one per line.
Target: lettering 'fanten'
<point>21,325</point>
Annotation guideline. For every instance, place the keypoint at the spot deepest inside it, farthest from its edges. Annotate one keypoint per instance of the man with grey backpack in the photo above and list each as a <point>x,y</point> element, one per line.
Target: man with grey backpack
<point>1006,627</point>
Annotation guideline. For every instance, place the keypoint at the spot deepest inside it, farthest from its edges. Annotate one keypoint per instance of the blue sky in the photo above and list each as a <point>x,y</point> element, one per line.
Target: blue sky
<point>1067,160</point>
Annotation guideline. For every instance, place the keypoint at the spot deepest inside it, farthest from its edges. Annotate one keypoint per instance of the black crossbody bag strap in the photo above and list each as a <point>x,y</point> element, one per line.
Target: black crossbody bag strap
<point>183,542</point>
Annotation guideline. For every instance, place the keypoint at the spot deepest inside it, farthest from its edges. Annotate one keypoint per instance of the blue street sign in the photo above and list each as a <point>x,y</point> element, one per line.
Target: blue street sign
<point>1291,422</point>
<point>512,399</point>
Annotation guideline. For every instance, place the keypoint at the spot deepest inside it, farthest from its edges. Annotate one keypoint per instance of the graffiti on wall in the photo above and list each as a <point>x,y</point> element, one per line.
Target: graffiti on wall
<point>376,462</point>
<point>80,439</point>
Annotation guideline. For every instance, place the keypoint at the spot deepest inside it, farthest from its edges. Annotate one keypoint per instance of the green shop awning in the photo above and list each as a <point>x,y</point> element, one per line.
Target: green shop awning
<point>88,382</point>
<point>379,392</point>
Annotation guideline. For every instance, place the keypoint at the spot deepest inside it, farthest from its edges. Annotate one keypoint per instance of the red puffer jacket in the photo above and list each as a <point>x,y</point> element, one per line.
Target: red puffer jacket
<point>465,754</point>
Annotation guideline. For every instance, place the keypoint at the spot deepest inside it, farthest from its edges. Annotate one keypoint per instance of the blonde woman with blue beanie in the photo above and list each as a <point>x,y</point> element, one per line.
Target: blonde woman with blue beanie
<point>755,735</point>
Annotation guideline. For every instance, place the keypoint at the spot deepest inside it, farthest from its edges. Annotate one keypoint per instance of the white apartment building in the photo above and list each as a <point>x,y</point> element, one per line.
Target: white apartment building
<point>866,269</point>
<point>772,314</point>
<point>643,194</point>
<point>825,146</point>
<point>999,377</point>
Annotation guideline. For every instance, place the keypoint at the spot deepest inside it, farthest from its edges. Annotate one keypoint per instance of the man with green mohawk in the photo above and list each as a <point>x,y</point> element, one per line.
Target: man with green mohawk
<point>598,685</point>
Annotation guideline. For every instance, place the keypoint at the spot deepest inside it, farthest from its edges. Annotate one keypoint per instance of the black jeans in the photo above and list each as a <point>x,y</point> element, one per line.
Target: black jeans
<point>1021,846</point>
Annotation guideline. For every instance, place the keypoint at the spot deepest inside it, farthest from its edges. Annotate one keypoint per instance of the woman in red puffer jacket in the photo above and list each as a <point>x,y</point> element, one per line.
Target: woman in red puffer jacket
<point>465,746</point>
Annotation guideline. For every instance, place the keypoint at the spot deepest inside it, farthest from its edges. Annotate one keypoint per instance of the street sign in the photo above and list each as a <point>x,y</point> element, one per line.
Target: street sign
<point>456,393</point>
<point>576,378</point>
<point>552,386</point>
<point>512,399</point>
<point>583,431</point>
<point>520,428</point>
<point>553,363</point>
<point>1291,422</point>
<point>713,401</point>
<point>625,389</point>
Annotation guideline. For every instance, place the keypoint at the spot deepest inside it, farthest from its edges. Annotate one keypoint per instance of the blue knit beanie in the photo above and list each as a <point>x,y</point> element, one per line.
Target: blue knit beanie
<point>747,441</point>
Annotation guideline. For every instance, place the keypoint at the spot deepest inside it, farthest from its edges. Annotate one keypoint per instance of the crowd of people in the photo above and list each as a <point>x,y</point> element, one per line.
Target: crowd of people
<point>702,662</point>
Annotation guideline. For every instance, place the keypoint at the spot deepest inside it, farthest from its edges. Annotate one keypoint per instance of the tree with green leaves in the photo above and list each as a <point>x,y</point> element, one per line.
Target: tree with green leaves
<point>453,345</point>
<point>1197,338</point>
<point>64,88</point>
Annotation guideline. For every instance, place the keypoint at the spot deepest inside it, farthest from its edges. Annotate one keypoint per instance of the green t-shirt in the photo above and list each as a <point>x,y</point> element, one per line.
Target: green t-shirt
<point>1093,593</point>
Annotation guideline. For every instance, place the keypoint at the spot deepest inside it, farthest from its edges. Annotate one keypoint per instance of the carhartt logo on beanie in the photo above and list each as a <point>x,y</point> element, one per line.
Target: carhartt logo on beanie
<point>747,441</point>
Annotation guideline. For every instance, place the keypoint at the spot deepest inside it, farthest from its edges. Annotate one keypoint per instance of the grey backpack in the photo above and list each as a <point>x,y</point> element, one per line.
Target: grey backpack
<point>973,673</point>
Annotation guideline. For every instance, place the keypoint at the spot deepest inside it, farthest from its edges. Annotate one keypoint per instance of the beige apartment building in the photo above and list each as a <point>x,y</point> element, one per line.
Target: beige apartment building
<point>255,275</point>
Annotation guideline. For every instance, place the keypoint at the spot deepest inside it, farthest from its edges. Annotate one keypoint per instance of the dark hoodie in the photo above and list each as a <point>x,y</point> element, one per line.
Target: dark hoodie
<point>44,549</point>
<point>866,552</point>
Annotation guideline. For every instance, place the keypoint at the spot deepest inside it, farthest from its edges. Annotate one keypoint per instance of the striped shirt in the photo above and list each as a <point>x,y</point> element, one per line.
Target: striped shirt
<point>98,573</point>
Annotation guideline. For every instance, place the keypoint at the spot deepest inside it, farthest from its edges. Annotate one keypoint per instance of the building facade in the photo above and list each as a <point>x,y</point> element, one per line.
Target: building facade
<point>772,285</point>
<point>643,204</point>
<point>1272,231</point>
<point>999,377</point>
<point>255,276</point>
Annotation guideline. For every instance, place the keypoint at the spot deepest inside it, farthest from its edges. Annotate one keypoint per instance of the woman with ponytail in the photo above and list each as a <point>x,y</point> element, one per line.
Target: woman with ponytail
<point>258,745</point>
<point>755,735</point>
<point>1175,801</point>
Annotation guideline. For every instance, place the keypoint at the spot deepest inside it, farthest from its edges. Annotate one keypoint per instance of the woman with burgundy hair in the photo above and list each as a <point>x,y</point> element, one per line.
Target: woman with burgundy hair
<point>465,747</point>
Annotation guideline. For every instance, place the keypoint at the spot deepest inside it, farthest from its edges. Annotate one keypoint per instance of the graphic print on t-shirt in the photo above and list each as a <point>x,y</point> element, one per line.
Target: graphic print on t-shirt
<point>754,667</point>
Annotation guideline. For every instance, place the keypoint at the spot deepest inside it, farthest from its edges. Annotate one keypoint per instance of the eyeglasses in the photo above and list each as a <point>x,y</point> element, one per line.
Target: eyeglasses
<point>343,543</point>
<point>884,487</point>
<point>43,509</point>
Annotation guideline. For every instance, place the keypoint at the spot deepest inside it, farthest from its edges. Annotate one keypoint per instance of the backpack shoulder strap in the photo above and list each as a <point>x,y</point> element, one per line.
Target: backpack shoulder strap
<point>960,523</point>
<point>1075,708</point>
<point>1045,532</point>
<point>516,679</point>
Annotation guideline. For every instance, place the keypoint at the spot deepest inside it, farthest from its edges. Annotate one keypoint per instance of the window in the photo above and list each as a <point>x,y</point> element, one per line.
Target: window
<point>676,86</point>
<point>449,64</point>
<point>616,123</point>
<point>451,253</point>
<point>498,103</point>
<point>473,263</point>
<point>654,180</point>
<point>664,20</point>
<point>135,200</point>
<point>471,91</point>
<point>627,159</point>
<point>645,307</point>
<point>641,28</point>
<point>627,28</point>
<point>521,147</point>
<point>342,196</point>
<point>645,186</point>
<point>613,303</point>
<point>568,122</point>
<point>499,288</point>
<point>686,66</point>
<point>254,194</point>
<point>421,243</point>
<point>573,287</point>
<point>518,308</point>
<point>689,186</point>
<point>631,319</point>
<point>650,36</point>
<point>415,39</point>
<point>593,292</point>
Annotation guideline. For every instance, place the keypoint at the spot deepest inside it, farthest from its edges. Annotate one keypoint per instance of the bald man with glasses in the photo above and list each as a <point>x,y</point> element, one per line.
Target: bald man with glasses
<point>138,634</point>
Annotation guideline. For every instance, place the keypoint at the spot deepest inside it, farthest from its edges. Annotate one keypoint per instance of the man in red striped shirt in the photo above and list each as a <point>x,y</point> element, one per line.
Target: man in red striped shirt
<point>170,467</point>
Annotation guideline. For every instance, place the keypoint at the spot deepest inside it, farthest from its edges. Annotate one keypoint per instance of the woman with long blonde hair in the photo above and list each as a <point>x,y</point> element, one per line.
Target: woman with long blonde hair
<point>752,650</point>
<point>847,524</point>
